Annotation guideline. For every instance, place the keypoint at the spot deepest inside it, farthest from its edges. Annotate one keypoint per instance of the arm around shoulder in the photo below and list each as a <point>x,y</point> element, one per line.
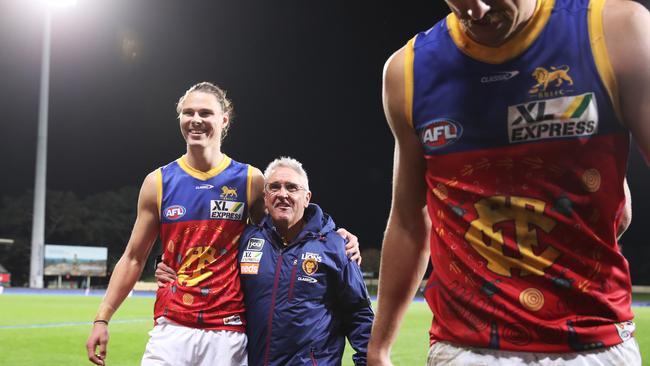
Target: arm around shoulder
<point>256,199</point>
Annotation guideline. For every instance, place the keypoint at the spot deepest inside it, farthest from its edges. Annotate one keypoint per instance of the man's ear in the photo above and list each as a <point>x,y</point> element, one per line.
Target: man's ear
<point>307,198</point>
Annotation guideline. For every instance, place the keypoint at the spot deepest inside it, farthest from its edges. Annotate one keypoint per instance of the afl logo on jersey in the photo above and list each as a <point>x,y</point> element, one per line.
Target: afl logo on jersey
<point>439,133</point>
<point>175,212</point>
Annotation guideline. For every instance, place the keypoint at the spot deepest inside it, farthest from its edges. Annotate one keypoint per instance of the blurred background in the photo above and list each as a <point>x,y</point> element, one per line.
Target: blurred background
<point>305,78</point>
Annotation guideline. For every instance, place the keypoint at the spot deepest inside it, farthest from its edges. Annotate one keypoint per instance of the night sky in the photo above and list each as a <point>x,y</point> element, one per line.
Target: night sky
<point>304,76</point>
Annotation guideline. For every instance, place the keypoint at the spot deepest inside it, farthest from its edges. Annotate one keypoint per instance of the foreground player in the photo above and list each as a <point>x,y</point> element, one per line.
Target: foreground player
<point>516,113</point>
<point>199,204</point>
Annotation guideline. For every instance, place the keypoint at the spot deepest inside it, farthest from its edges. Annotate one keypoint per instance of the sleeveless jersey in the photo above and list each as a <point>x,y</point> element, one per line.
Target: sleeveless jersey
<point>202,216</point>
<point>525,163</point>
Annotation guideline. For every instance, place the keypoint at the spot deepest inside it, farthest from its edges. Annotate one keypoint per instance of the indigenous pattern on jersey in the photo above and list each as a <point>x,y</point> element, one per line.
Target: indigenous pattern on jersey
<point>202,216</point>
<point>525,166</point>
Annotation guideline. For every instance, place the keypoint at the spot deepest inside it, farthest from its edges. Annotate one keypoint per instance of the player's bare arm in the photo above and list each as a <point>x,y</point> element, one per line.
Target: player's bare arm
<point>256,210</point>
<point>128,269</point>
<point>626,25</point>
<point>405,249</point>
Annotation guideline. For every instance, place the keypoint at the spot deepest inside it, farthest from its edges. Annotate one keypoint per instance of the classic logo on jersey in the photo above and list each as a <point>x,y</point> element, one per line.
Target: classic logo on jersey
<point>309,266</point>
<point>572,116</point>
<point>439,133</point>
<point>255,244</point>
<point>315,256</point>
<point>500,76</point>
<point>525,216</point>
<point>226,210</point>
<point>251,257</point>
<point>228,192</point>
<point>307,279</point>
<point>204,186</point>
<point>175,212</point>
<point>553,78</point>
<point>249,268</point>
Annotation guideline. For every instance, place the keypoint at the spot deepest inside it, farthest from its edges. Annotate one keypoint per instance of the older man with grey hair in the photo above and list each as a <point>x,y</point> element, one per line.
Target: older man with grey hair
<point>303,295</point>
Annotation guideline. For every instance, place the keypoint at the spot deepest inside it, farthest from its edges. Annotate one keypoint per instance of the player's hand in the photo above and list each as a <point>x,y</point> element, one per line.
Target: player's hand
<point>351,246</point>
<point>98,337</point>
<point>164,274</point>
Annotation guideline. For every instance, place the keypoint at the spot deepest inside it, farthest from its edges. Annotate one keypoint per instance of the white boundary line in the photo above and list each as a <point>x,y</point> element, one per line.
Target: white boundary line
<point>70,324</point>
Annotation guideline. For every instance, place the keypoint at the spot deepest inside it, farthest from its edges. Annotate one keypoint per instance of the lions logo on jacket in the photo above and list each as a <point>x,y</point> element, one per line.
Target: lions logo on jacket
<point>310,266</point>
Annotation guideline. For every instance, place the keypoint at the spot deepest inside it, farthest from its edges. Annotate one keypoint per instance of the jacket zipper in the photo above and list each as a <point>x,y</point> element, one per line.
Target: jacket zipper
<point>272,310</point>
<point>293,279</point>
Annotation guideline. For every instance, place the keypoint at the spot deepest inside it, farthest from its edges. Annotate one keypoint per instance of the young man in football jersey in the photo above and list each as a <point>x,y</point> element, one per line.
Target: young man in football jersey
<point>517,114</point>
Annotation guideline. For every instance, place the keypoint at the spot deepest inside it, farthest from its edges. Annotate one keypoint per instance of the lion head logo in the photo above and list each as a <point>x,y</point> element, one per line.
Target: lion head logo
<point>310,266</point>
<point>544,77</point>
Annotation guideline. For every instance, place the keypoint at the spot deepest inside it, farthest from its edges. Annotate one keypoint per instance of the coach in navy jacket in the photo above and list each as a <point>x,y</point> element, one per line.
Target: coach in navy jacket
<point>303,296</point>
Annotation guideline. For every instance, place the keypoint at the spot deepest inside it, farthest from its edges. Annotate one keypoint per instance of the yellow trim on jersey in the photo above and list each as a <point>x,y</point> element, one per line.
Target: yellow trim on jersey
<point>159,188</point>
<point>204,175</point>
<point>512,47</point>
<point>409,55</point>
<point>601,57</point>
<point>249,186</point>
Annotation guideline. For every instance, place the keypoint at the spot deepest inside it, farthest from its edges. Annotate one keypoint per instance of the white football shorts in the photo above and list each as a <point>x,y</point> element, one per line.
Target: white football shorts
<point>446,354</point>
<point>172,344</point>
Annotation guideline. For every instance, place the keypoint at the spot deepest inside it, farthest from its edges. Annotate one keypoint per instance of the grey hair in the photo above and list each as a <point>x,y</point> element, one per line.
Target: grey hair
<point>287,162</point>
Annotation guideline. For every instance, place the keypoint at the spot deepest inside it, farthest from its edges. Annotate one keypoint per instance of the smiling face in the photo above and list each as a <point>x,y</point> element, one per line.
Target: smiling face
<point>286,197</point>
<point>202,120</point>
<point>492,23</point>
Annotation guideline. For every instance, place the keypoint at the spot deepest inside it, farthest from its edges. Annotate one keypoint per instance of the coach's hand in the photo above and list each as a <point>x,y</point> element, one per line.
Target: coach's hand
<point>98,337</point>
<point>164,274</point>
<point>351,246</point>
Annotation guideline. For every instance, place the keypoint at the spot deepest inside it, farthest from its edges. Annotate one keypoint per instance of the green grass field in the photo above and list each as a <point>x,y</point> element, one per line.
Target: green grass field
<point>52,330</point>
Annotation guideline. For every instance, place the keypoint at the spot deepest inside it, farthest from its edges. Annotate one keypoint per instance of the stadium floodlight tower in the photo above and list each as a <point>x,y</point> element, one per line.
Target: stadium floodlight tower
<point>38,221</point>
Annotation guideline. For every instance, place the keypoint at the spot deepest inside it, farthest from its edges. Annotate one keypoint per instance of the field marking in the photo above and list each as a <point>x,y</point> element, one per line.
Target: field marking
<point>70,324</point>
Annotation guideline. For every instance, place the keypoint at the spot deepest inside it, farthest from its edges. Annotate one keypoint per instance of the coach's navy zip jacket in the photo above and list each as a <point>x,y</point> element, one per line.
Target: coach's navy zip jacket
<point>302,299</point>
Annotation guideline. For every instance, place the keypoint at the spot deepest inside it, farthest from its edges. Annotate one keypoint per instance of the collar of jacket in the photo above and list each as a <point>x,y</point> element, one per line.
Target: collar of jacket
<point>317,224</point>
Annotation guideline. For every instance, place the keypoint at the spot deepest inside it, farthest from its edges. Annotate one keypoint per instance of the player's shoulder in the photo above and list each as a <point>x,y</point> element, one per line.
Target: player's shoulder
<point>624,14</point>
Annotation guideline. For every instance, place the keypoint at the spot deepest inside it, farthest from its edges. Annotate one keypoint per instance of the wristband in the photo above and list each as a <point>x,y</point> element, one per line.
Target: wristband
<point>101,321</point>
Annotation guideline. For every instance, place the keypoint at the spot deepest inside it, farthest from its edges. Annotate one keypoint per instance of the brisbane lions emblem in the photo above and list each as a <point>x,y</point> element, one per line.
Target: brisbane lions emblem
<point>545,77</point>
<point>228,192</point>
<point>310,266</point>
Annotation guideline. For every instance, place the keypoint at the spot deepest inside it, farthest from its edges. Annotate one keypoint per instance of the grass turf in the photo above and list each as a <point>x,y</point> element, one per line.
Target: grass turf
<point>52,330</point>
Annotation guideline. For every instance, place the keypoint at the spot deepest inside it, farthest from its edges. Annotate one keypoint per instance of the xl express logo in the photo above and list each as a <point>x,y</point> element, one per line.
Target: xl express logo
<point>572,116</point>
<point>175,212</point>
<point>439,133</point>
<point>226,210</point>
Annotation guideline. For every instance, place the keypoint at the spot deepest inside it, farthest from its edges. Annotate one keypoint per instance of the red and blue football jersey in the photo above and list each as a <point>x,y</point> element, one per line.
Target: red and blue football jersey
<point>202,216</point>
<point>526,160</point>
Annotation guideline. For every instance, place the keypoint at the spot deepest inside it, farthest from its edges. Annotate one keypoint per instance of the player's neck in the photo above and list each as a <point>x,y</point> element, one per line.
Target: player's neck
<point>203,158</point>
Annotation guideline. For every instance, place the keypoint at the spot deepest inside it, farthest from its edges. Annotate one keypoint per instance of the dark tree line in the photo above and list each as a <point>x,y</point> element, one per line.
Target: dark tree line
<point>101,219</point>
